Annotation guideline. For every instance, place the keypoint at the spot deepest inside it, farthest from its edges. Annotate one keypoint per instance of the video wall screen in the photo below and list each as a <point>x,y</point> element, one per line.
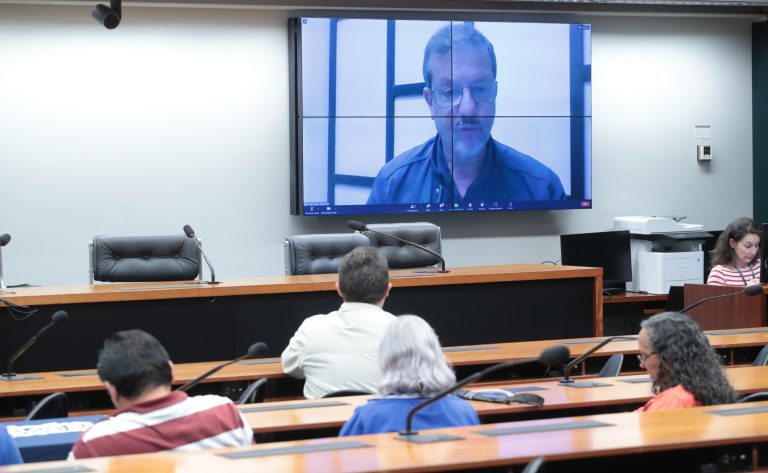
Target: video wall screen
<point>413,116</point>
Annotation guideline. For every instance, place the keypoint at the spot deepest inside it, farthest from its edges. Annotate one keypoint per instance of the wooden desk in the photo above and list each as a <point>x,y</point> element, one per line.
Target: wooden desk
<point>629,441</point>
<point>467,306</point>
<point>619,395</point>
<point>467,359</point>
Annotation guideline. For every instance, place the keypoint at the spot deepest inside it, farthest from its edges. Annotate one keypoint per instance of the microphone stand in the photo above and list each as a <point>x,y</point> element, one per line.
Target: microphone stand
<point>361,227</point>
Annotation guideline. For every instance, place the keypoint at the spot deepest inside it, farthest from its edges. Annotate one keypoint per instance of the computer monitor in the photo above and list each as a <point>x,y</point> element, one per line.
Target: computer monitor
<point>607,250</point>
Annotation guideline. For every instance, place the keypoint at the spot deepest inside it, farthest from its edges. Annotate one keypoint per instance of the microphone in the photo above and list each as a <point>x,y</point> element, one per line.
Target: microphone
<point>361,227</point>
<point>191,234</point>
<point>4,239</point>
<point>552,356</point>
<point>256,350</point>
<point>59,317</point>
<point>566,380</point>
<point>752,290</point>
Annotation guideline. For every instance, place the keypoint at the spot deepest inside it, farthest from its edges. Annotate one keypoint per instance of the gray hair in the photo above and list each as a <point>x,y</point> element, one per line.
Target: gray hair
<point>452,36</point>
<point>411,359</point>
<point>687,358</point>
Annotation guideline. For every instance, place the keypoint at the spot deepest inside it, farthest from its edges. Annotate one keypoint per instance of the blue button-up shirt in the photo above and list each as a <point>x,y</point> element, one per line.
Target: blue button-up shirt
<point>421,175</point>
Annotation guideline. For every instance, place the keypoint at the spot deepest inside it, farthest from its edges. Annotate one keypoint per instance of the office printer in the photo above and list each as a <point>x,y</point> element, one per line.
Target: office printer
<point>664,252</point>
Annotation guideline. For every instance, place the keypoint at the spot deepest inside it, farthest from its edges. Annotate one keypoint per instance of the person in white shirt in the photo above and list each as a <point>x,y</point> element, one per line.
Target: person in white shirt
<point>339,351</point>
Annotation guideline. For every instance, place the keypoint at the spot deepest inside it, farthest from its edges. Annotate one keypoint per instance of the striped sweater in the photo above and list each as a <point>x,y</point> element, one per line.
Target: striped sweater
<point>172,422</point>
<point>729,276</point>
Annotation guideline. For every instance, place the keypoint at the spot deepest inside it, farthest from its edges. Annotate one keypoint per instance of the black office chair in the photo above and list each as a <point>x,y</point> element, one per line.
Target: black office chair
<point>534,466</point>
<point>405,256</point>
<point>254,393</point>
<point>762,357</point>
<point>612,367</point>
<point>143,258</point>
<point>755,397</point>
<point>319,253</point>
<point>347,392</point>
<point>51,406</point>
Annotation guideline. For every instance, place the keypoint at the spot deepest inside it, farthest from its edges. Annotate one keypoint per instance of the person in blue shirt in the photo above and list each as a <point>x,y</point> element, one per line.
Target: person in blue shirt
<point>414,369</point>
<point>9,452</point>
<point>462,163</point>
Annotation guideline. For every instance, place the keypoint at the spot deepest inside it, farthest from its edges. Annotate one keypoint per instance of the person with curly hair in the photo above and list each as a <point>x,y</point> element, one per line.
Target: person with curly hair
<point>684,368</point>
<point>736,257</point>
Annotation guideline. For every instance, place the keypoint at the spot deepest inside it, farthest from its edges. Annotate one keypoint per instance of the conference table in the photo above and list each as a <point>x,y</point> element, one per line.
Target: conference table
<point>46,440</point>
<point>645,442</point>
<point>201,322</point>
<point>736,346</point>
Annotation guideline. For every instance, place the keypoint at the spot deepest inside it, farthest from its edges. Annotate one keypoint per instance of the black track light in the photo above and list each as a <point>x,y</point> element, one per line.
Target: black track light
<point>109,16</point>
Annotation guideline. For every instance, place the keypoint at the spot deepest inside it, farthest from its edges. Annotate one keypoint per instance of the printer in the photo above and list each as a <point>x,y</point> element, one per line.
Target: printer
<point>664,252</point>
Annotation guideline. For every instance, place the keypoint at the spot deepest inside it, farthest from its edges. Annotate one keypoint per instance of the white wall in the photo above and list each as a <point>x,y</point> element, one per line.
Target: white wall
<point>181,116</point>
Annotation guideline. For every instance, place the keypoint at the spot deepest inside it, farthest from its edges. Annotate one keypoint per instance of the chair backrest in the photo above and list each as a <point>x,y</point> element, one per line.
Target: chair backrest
<point>400,256</point>
<point>144,258</point>
<point>534,466</point>
<point>762,357</point>
<point>755,397</point>
<point>51,406</point>
<point>612,367</point>
<point>347,392</point>
<point>319,253</point>
<point>254,392</point>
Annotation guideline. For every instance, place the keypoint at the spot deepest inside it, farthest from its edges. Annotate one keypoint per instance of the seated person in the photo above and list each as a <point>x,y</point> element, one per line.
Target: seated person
<point>9,452</point>
<point>338,351</point>
<point>684,368</point>
<point>736,257</point>
<point>414,368</point>
<point>136,371</point>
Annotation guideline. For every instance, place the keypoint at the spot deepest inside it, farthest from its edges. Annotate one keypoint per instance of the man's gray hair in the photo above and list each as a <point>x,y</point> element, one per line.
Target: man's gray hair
<point>411,359</point>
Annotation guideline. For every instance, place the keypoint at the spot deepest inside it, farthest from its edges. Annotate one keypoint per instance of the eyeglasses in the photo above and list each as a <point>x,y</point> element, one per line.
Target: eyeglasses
<point>642,356</point>
<point>451,96</point>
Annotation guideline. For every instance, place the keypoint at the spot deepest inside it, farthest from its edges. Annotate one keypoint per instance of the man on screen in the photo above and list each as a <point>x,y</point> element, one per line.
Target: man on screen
<point>462,163</point>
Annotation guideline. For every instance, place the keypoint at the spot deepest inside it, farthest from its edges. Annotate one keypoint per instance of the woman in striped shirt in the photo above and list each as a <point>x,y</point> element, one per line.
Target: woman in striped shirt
<point>737,255</point>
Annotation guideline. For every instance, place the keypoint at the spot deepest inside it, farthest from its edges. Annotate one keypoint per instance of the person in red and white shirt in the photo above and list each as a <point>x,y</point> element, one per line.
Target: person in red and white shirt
<point>737,255</point>
<point>136,371</point>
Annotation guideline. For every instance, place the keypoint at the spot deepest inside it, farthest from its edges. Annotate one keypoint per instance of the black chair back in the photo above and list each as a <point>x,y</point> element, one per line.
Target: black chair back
<point>319,253</point>
<point>144,258</point>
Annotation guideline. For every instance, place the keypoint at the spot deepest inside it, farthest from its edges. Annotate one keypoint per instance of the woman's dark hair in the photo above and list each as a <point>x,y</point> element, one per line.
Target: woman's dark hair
<point>736,230</point>
<point>687,358</point>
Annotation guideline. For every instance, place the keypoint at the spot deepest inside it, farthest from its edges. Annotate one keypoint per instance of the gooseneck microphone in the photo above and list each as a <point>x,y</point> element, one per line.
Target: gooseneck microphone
<point>256,350</point>
<point>752,290</point>
<point>552,356</point>
<point>191,234</point>
<point>59,317</point>
<point>566,380</point>
<point>361,227</point>
<point>4,239</point>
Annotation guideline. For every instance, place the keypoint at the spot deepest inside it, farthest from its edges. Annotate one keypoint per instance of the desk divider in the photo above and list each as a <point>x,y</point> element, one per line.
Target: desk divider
<point>736,331</point>
<point>259,362</point>
<point>79,373</point>
<point>62,469</point>
<point>285,407</point>
<point>293,450</point>
<point>478,347</point>
<point>587,424</point>
<point>635,380</point>
<point>740,411</point>
<point>596,340</point>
